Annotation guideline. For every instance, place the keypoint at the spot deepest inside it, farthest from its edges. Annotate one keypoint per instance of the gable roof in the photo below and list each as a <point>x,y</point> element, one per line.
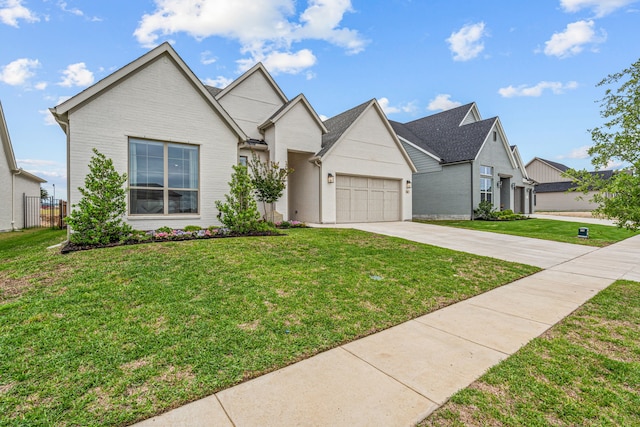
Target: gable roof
<point>562,186</point>
<point>61,111</point>
<point>559,166</point>
<point>258,68</point>
<point>518,159</point>
<point>338,125</point>
<point>282,111</point>
<point>445,135</point>
<point>8,150</point>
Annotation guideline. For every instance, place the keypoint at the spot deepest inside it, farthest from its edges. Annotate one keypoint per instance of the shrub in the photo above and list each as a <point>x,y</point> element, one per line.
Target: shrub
<point>239,213</point>
<point>485,210</point>
<point>164,229</point>
<point>97,218</point>
<point>192,228</point>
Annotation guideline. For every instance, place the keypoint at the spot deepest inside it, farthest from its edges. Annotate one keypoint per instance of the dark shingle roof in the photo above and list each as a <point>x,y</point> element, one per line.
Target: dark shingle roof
<point>561,186</point>
<point>337,125</point>
<point>556,165</point>
<point>214,91</point>
<point>402,131</point>
<point>443,135</point>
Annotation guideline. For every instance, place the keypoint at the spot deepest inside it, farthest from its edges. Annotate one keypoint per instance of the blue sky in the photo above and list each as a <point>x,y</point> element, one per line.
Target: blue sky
<point>535,64</point>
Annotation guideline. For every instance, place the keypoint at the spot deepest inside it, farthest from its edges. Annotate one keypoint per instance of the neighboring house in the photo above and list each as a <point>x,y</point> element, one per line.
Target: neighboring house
<point>178,139</point>
<point>16,184</point>
<point>461,160</point>
<point>552,189</point>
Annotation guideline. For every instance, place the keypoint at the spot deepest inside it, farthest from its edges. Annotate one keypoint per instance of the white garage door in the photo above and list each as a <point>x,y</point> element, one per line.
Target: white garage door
<point>360,199</point>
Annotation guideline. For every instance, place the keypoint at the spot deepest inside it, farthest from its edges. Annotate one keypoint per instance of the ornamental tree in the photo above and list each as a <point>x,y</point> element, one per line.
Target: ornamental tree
<point>269,181</point>
<point>616,141</point>
<point>98,216</point>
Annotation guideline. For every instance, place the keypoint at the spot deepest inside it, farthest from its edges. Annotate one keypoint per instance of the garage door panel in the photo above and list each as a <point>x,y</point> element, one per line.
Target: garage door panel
<point>361,199</point>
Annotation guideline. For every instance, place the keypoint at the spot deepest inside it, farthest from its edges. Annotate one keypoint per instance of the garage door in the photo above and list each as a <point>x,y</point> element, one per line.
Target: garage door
<point>360,199</point>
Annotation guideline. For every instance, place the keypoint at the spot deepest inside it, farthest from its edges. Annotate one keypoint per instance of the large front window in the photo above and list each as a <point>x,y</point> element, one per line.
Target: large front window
<point>163,178</point>
<point>486,183</point>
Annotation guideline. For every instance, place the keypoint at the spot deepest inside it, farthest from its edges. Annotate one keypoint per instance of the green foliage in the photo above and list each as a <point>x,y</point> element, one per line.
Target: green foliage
<point>617,140</point>
<point>239,213</point>
<point>269,181</point>
<point>97,218</point>
<point>485,210</point>
<point>164,229</point>
<point>44,194</point>
<point>192,228</point>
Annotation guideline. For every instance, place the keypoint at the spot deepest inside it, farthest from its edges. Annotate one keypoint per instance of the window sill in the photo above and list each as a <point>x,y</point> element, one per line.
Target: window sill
<point>143,217</point>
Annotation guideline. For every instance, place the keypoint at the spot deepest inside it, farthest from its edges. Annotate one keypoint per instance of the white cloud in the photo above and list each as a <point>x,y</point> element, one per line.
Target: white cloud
<point>41,85</point>
<point>263,29</point>
<point>13,10</point>
<point>442,102</point>
<point>206,58</point>
<point>577,153</point>
<point>283,62</point>
<point>466,43</point>
<point>77,75</point>
<point>219,82</point>
<point>599,7</point>
<point>75,11</point>
<point>19,71</point>
<point>573,39</point>
<point>556,88</point>
<point>409,107</point>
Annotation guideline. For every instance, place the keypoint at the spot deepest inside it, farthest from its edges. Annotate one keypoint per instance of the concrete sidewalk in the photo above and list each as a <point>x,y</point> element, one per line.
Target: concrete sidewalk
<point>398,376</point>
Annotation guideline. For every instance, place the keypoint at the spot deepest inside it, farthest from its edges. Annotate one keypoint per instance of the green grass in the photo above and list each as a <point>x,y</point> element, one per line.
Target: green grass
<point>559,231</point>
<point>111,336</point>
<point>585,371</point>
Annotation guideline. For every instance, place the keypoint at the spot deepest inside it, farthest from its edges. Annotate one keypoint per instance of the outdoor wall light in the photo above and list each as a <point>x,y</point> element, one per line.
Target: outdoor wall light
<point>408,185</point>
<point>330,178</point>
<point>499,184</point>
<point>513,185</point>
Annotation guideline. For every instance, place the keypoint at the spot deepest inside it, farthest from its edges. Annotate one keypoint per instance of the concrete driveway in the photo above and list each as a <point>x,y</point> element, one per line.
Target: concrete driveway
<point>541,253</point>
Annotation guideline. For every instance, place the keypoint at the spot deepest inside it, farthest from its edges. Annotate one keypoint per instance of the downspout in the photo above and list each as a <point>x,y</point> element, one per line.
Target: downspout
<point>65,125</point>
<point>13,197</point>
<point>318,164</point>
<point>471,168</point>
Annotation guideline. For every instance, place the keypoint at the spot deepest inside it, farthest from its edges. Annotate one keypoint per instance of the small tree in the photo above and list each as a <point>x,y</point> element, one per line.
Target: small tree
<point>97,218</point>
<point>269,181</point>
<point>239,213</point>
<point>618,139</point>
<point>44,194</point>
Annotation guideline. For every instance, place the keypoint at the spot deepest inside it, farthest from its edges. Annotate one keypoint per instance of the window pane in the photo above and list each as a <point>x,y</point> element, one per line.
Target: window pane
<point>181,201</point>
<point>183,166</point>
<point>142,201</point>
<point>146,164</point>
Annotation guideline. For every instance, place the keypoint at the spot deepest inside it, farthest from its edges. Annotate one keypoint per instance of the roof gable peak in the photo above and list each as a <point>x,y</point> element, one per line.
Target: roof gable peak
<point>259,68</point>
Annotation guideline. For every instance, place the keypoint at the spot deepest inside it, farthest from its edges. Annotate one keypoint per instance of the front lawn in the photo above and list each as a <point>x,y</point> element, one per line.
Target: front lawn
<point>115,335</point>
<point>546,229</point>
<point>585,371</point>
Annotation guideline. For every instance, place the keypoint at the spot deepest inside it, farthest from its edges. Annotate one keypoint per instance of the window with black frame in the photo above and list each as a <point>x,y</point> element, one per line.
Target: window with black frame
<point>163,178</point>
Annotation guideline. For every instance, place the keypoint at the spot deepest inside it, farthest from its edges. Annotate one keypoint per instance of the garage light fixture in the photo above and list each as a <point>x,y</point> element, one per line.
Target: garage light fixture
<point>408,185</point>
<point>513,185</point>
<point>330,178</point>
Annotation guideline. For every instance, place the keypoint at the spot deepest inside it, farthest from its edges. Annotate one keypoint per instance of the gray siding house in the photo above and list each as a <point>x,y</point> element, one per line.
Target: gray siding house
<point>462,160</point>
<point>552,187</point>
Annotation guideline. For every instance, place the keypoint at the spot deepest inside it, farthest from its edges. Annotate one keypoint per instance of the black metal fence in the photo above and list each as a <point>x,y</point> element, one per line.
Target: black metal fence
<point>47,212</point>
